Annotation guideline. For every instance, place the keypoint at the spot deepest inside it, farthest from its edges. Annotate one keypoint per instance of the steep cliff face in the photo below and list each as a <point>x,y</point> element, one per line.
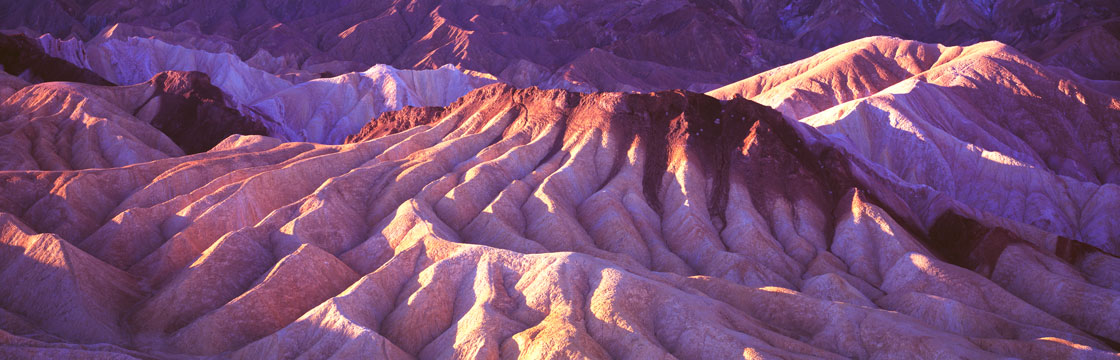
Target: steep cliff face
<point>537,223</point>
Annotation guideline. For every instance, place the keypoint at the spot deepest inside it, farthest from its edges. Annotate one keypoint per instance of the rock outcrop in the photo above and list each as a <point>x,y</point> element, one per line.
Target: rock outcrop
<point>533,223</point>
<point>194,113</point>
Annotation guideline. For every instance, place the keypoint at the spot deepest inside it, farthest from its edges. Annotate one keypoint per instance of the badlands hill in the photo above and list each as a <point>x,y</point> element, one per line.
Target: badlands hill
<point>24,57</point>
<point>322,110</point>
<point>330,109</point>
<point>133,60</point>
<point>584,45</point>
<point>533,223</point>
<point>983,124</point>
<point>66,126</point>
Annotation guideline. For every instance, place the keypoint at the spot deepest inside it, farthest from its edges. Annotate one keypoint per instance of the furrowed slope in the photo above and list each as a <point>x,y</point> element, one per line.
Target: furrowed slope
<point>982,124</point>
<point>328,110</point>
<point>531,223</point>
<point>134,60</point>
<point>321,110</point>
<point>65,126</point>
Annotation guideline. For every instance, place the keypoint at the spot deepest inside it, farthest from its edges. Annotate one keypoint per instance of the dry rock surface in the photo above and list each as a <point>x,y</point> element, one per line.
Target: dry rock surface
<point>330,109</point>
<point>538,224</point>
<point>295,108</point>
<point>585,45</point>
<point>25,58</point>
<point>983,125</point>
<point>69,125</point>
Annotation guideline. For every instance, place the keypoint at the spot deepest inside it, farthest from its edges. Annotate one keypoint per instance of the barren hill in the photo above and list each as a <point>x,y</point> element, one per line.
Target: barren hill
<point>584,45</point>
<point>532,223</point>
<point>982,124</point>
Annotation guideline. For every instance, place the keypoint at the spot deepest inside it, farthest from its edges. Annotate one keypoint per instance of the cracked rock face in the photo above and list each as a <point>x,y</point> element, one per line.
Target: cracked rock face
<point>537,223</point>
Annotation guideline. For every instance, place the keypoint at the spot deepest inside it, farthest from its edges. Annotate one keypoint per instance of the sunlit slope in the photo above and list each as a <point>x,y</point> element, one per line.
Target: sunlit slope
<point>530,223</point>
<point>983,124</point>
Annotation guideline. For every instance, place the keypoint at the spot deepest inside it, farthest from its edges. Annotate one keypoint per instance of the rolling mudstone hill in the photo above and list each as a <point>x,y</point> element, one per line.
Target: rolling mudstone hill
<point>322,110</point>
<point>535,223</point>
<point>70,125</point>
<point>982,124</point>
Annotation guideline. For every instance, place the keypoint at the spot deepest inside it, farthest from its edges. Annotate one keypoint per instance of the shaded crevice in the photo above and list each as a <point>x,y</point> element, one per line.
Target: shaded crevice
<point>970,244</point>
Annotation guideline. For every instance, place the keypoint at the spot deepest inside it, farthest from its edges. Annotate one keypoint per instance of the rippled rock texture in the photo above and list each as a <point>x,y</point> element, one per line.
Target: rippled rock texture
<point>532,223</point>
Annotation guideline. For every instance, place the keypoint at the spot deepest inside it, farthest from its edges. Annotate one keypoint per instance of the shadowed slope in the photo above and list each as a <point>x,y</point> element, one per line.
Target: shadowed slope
<point>194,113</point>
<point>531,223</point>
<point>23,56</point>
<point>1091,52</point>
<point>9,84</point>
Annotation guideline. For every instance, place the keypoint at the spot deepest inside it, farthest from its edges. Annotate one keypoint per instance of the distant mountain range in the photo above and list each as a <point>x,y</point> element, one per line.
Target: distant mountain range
<point>581,45</point>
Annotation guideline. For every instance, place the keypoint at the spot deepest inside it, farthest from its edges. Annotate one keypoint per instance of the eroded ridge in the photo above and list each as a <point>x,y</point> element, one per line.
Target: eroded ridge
<point>983,125</point>
<point>70,126</point>
<point>531,223</point>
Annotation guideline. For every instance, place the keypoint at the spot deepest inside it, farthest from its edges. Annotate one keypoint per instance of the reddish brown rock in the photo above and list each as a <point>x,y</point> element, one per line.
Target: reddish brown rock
<point>194,113</point>
<point>394,122</point>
